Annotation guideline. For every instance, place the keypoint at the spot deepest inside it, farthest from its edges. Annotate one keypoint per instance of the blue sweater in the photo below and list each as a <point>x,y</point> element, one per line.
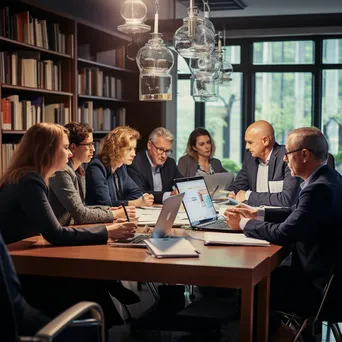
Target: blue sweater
<point>100,187</point>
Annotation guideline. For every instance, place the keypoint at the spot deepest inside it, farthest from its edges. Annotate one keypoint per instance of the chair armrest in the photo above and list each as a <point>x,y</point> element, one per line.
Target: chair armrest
<point>57,325</point>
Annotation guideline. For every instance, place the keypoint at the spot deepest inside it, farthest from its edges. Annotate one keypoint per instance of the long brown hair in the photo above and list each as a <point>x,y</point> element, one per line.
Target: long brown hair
<point>35,152</point>
<point>113,144</point>
<point>198,132</point>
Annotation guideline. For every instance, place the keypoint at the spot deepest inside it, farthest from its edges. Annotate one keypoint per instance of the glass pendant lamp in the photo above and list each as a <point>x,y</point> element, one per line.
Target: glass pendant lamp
<point>134,13</point>
<point>226,69</point>
<point>155,62</point>
<point>194,39</point>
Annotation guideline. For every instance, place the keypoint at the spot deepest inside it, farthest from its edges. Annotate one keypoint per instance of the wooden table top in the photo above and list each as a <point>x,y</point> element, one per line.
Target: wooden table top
<point>216,265</point>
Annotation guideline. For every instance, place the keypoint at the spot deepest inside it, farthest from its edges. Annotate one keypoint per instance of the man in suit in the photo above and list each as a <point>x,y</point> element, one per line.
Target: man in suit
<point>312,226</point>
<point>264,179</point>
<point>153,170</point>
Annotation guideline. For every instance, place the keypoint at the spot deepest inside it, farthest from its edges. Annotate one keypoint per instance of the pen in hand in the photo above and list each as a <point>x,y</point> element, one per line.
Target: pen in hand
<point>213,193</point>
<point>124,208</point>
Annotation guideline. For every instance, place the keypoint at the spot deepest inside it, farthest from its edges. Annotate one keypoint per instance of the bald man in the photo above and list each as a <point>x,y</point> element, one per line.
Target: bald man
<point>265,179</point>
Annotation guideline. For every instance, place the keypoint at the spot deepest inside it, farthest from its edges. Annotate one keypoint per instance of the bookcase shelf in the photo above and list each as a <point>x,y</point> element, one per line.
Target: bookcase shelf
<point>9,44</point>
<point>13,132</point>
<point>86,62</point>
<point>116,77</point>
<point>21,89</point>
<point>100,98</point>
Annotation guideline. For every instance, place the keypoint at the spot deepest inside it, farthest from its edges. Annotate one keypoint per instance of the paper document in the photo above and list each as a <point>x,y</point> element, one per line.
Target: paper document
<point>232,239</point>
<point>150,217</point>
<point>171,248</point>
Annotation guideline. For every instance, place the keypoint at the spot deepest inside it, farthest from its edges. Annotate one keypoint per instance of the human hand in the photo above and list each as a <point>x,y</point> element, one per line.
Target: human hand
<point>231,195</point>
<point>121,230</point>
<point>174,192</point>
<point>233,220</point>
<point>241,196</point>
<point>245,211</point>
<point>146,200</point>
<point>120,212</point>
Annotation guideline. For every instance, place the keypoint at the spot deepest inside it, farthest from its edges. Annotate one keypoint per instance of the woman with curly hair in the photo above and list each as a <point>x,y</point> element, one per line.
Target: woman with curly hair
<point>107,180</point>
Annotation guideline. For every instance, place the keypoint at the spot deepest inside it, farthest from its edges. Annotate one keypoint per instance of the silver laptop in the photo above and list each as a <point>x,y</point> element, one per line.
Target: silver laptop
<point>198,205</point>
<point>217,182</point>
<point>163,225</point>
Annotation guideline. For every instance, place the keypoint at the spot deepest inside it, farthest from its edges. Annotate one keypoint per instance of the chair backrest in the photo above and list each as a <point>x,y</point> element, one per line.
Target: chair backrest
<point>331,161</point>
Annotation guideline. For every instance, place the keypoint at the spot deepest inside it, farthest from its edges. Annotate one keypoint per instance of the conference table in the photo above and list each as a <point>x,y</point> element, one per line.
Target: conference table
<point>241,267</point>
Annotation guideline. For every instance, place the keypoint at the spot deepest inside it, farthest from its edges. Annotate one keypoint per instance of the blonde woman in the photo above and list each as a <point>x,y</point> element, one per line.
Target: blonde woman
<point>107,180</point>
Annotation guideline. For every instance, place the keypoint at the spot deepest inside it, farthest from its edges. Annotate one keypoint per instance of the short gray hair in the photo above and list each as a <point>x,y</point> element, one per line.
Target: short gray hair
<point>312,139</point>
<point>161,132</point>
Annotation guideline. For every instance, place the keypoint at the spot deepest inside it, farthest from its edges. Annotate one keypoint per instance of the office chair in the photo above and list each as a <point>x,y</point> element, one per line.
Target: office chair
<point>331,161</point>
<point>329,311</point>
<point>68,318</point>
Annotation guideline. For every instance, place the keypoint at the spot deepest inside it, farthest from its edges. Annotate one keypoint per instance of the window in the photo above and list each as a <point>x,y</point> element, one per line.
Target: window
<point>232,54</point>
<point>332,113</point>
<point>185,115</point>
<point>284,100</point>
<point>223,121</point>
<point>285,52</point>
<point>332,51</point>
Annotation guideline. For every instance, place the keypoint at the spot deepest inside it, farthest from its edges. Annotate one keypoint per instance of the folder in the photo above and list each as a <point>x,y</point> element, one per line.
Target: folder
<point>232,239</point>
<point>171,248</point>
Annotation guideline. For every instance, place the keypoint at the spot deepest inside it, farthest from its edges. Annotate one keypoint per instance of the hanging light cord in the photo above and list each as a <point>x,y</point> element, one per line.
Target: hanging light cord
<point>157,6</point>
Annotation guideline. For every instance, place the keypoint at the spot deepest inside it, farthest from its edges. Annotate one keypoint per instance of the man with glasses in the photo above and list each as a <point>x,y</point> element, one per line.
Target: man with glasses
<point>264,179</point>
<point>153,170</point>
<point>312,227</point>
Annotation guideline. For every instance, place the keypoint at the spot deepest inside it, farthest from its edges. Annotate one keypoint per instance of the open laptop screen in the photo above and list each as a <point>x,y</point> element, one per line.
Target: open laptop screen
<point>197,200</point>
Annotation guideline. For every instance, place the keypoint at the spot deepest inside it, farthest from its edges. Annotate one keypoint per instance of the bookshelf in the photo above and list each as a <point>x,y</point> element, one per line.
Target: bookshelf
<point>57,68</point>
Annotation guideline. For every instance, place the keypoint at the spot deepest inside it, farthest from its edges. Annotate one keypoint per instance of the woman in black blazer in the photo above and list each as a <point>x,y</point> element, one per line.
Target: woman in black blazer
<point>107,180</point>
<point>198,160</point>
<point>25,211</point>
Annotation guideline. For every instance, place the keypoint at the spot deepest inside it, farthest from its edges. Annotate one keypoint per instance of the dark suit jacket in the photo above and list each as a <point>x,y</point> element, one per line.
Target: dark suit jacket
<point>188,166</point>
<point>16,316</point>
<point>313,225</point>
<point>277,171</point>
<point>25,211</point>
<point>140,171</point>
<point>100,188</point>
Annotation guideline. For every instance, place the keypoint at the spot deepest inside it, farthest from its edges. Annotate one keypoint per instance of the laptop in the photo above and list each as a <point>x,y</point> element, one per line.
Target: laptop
<point>217,182</point>
<point>199,206</point>
<point>163,225</point>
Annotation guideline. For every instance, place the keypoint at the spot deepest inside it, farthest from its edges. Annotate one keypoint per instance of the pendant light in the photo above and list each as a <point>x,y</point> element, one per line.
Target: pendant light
<point>226,69</point>
<point>134,13</point>
<point>194,39</point>
<point>155,62</point>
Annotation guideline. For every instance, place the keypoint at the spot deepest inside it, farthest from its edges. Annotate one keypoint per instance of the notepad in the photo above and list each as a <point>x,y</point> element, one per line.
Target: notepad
<point>171,248</point>
<point>232,239</point>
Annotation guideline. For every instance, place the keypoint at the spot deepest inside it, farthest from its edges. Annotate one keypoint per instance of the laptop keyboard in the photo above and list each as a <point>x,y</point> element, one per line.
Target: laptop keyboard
<point>140,238</point>
<point>218,224</point>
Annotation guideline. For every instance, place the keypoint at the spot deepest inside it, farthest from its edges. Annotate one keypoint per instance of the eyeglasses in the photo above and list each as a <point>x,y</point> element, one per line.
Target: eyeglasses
<point>161,151</point>
<point>299,149</point>
<point>89,145</point>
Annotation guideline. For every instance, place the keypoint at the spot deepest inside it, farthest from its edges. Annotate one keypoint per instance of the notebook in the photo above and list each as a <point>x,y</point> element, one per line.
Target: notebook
<point>162,228</point>
<point>171,248</point>
<point>198,205</point>
<point>232,239</point>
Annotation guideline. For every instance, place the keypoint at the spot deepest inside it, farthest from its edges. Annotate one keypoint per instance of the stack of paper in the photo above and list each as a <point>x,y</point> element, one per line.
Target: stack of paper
<point>232,239</point>
<point>149,216</point>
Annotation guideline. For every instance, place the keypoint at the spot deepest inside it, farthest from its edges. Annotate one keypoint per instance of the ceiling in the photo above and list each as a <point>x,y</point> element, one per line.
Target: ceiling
<point>279,7</point>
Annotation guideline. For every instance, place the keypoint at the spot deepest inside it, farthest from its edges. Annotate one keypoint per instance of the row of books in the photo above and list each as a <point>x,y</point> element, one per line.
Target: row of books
<point>21,115</point>
<point>115,57</point>
<point>24,28</point>
<point>24,68</point>
<point>7,151</point>
<point>101,119</point>
<point>92,81</point>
